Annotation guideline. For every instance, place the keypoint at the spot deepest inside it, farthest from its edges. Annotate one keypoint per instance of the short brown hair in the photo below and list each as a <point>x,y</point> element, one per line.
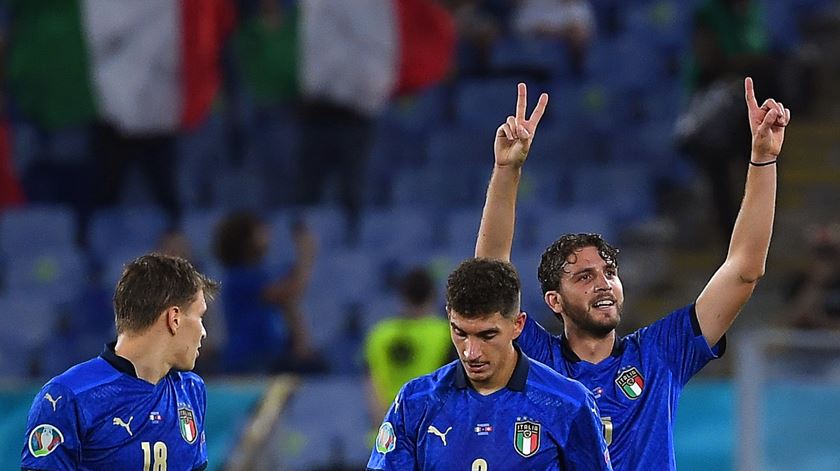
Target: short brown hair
<point>483,286</point>
<point>152,283</point>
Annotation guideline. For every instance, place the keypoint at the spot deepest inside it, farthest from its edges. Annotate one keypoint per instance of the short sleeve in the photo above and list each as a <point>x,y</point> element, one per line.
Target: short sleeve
<point>395,449</point>
<point>53,430</point>
<point>681,344</point>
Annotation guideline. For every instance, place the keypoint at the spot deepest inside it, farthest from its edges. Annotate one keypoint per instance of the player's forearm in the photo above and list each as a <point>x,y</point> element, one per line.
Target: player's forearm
<point>754,224</point>
<point>495,235</point>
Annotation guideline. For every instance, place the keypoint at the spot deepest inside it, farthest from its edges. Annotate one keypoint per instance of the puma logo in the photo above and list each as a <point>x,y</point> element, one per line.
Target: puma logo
<point>127,426</point>
<point>49,397</point>
<point>434,431</point>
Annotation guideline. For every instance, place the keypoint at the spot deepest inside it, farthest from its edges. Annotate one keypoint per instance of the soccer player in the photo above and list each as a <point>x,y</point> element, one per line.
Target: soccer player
<point>493,408</point>
<point>136,406</point>
<point>637,379</point>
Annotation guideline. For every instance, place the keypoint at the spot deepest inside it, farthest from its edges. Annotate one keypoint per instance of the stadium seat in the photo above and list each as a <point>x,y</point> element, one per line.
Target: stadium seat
<point>27,326</point>
<point>555,222</point>
<point>396,231</point>
<point>532,57</point>
<point>35,229</point>
<point>121,229</point>
<point>56,275</point>
<point>199,227</point>
<point>484,104</point>
<point>340,431</point>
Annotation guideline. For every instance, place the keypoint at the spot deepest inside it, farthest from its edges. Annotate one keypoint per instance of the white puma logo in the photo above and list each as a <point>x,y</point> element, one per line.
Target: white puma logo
<point>434,431</point>
<point>126,426</point>
<point>49,397</point>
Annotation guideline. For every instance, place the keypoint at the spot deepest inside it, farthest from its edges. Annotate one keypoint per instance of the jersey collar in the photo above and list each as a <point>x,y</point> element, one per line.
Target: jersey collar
<point>571,356</point>
<point>515,383</point>
<point>119,363</point>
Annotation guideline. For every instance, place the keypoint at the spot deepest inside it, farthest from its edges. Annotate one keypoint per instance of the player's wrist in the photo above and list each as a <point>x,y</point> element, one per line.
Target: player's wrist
<point>763,159</point>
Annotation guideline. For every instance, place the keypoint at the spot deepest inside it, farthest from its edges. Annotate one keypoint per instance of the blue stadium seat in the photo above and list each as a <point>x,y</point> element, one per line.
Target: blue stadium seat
<point>484,104</point>
<point>664,24</point>
<point>329,223</point>
<point>28,324</point>
<point>625,191</point>
<point>120,229</point>
<point>555,222</point>
<point>35,229</point>
<point>439,187</point>
<point>462,229</point>
<point>530,56</point>
<point>199,227</point>
<point>340,431</point>
<point>396,231</point>
<point>346,276</point>
<point>57,275</point>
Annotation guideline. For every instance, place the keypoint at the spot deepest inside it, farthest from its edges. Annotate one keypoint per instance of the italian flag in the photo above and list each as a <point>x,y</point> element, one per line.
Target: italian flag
<point>152,66</point>
<point>395,46</point>
<point>634,388</point>
<point>146,67</point>
<point>527,442</point>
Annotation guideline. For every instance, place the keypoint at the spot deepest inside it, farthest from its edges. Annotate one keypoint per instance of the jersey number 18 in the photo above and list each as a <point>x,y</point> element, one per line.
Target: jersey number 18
<point>154,459</point>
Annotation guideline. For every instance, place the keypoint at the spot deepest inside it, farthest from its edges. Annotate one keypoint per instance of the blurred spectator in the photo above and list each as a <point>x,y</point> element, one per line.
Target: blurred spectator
<point>412,344</point>
<point>815,292</point>
<point>355,57</point>
<point>266,332</point>
<point>478,26</point>
<point>572,21</point>
<point>729,42</point>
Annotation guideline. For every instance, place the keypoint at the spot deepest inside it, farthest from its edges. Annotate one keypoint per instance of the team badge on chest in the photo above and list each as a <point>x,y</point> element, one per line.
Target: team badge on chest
<point>526,437</point>
<point>186,420</point>
<point>631,382</point>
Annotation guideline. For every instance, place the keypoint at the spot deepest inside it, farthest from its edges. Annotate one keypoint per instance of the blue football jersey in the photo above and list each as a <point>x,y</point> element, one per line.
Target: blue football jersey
<point>539,421</point>
<point>99,415</point>
<point>637,387</point>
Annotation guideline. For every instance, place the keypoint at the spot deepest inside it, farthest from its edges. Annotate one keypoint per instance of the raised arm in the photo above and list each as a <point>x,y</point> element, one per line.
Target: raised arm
<point>733,283</point>
<point>513,141</point>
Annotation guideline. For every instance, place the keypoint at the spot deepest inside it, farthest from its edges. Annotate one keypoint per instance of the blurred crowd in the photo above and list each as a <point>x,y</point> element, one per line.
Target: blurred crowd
<point>310,153</point>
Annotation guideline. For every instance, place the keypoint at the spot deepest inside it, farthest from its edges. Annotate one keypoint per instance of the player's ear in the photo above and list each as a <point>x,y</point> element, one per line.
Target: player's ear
<point>173,319</point>
<point>554,300</point>
<point>519,323</point>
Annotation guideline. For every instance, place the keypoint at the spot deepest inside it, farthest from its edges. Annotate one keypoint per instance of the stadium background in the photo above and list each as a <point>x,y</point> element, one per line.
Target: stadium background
<point>605,160</point>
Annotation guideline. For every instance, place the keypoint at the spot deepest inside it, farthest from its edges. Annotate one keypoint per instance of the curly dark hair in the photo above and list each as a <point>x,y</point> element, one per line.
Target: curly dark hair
<point>235,239</point>
<point>554,259</point>
<point>152,283</point>
<point>483,286</point>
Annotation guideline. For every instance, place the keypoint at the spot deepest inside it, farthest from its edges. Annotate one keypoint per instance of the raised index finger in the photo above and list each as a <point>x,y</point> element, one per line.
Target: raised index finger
<point>521,101</point>
<point>749,93</point>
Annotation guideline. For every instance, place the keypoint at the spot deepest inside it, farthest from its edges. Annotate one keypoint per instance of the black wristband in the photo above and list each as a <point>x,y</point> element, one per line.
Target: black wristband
<point>763,164</point>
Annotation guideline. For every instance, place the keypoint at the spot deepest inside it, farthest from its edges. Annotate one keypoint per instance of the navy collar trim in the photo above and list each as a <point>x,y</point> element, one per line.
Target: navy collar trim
<point>119,363</point>
<point>515,383</point>
<point>571,356</point>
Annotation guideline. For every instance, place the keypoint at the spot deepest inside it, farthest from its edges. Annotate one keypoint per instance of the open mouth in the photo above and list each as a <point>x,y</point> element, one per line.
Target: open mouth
<point>604,303</point>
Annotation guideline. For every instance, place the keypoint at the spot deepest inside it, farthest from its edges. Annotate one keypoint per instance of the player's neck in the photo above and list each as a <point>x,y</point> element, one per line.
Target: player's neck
<point>146,354</point>
<point>502,376</point>
<point>590,348</point>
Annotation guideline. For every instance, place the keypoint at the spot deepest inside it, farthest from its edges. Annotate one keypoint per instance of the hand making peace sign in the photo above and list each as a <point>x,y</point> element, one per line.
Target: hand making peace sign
<point>514,136</point>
